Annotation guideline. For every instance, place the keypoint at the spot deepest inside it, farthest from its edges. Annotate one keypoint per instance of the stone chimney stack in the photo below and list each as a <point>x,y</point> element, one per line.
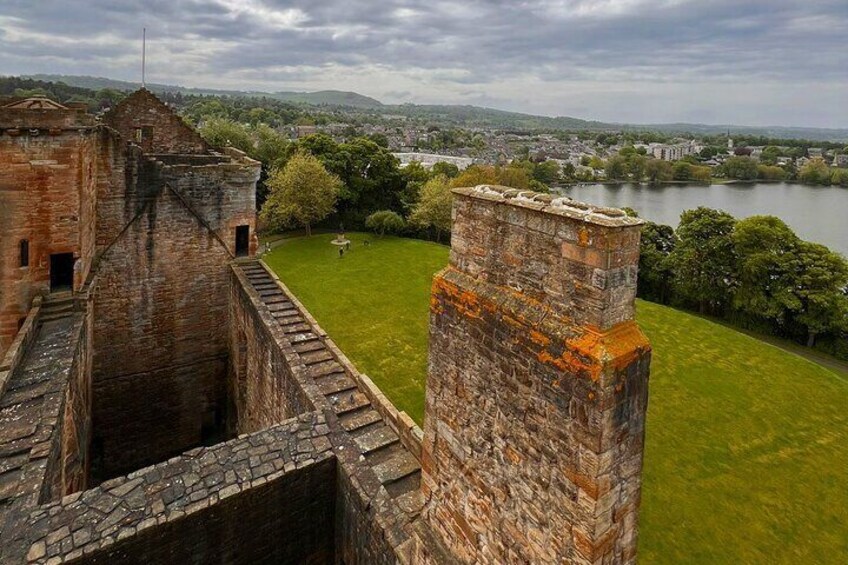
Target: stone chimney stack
<point>538,383</point>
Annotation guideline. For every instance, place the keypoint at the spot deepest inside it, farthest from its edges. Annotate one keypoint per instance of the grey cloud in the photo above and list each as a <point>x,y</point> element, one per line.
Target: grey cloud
<point>439,49</point>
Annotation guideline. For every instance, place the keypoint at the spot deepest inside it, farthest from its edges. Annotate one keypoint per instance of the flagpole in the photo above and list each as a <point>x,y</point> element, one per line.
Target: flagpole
<point>143,53</point>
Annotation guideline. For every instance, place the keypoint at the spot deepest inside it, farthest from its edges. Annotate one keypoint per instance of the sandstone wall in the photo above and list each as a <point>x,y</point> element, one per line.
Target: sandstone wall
<point>47,188</point>
<point>161,298</point>
<point>263,388</point>
<point>143,119</point>
<point>537,384</point>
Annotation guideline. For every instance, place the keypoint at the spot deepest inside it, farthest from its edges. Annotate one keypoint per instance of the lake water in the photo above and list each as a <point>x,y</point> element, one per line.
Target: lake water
<point>817,214</point>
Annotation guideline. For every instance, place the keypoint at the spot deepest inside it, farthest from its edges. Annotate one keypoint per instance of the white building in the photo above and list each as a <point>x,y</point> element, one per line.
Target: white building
<point>427,160</point>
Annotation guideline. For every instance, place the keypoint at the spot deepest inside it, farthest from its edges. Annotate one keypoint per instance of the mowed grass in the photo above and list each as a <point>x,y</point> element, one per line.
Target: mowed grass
<point>746,457</point>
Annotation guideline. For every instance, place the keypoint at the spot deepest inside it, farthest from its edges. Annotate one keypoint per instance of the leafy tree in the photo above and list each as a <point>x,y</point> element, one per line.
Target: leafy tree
<point>616,168</point>
<point>415,176</point>
<point>770,172</point>
<point>546,172</point>
<point>596,162</point>
<point>476,174</point>
<point>682,170</point>
<point>740,168</point>
<point>765,247</point>
<point>385,221</point>
<point>701,174</point>
<point>658,171</point>
<point>433,210</point>
<point>222,132</point>
<point>370,174</point>
<point>447,169</point>
<point>770,155</point>
<point>815,172</point>
<point>655,272</point>
<point>303,193</point>
<point>513,175</point>
<point>636,166</point>
<point>703,260</point>
<point>379,138</point>
<point>820,283</point>
<point>839,177</point>
<point>568,171</point>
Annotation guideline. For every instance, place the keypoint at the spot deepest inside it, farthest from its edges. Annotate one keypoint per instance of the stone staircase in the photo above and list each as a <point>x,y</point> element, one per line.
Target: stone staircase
<point>395,467</point>
<point>56,306</point>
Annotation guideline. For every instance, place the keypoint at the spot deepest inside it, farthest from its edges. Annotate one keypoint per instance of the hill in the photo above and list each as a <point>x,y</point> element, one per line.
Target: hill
<point>746,445</point>
<point>319,98</point>
<point>460,115</point>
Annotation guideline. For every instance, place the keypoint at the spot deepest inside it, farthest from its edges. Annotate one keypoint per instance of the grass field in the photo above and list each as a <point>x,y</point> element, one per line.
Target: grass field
<point>747,445</point>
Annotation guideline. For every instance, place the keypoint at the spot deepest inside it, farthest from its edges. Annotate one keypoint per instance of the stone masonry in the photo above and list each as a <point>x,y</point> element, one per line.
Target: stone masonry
<point>537,388</point>
<point>171,401</point>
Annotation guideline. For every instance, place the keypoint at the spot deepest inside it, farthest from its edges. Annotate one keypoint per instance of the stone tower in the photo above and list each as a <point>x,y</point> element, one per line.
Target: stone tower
<point>537,386</point>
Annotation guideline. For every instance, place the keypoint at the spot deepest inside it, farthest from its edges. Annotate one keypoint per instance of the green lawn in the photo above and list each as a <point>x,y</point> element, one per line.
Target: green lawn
<point>747,445</point>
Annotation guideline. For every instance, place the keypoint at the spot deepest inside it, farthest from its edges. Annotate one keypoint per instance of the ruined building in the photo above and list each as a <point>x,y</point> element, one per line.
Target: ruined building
<point>165,399</point>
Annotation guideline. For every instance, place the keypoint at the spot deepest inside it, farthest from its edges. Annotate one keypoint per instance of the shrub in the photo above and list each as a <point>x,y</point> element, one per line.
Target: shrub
<point>385,221</point>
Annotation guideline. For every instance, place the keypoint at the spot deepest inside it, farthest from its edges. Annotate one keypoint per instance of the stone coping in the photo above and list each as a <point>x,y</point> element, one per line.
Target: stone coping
<point>548,203</point>
<point>93,520</point>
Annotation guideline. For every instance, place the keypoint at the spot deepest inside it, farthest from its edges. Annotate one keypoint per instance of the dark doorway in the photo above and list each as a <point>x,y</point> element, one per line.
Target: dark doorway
<point>242,241</point>
<point>61,272</point>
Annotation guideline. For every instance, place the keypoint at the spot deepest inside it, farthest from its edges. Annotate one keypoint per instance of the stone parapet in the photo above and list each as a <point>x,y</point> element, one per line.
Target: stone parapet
<point>579,258</point>
<point>537,385</point>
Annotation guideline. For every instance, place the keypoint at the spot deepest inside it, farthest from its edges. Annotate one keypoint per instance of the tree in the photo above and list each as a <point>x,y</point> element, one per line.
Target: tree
<point>616,168</point>
<point>770,172</point>
<point>765,250</point>
<point>821,280</point>
<point>476,174</point>
<point>655,273</point>
<point>385,221</point>
<point>514,175</point>
<point>596,162</point>
<point>703,261</point>
<point>546,172</point>
<point>221,132</point>
<point>636,166</point>
<point>568,171</point>
<point>815,172</point>
<point>701,174</point>
<point>658,171</point>
<point>681,170</point>
<point>447,169</point>
<point>740,168</point>
<point>303,193</point>
<point>839,177</point>
<point>433,209</point>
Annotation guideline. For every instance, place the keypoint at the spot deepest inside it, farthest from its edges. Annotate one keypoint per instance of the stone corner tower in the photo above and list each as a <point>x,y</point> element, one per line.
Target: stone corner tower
<point>538,383</point>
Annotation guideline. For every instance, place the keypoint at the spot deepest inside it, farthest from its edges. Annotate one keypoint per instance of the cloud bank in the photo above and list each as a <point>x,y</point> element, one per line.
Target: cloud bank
<point>761,62</point>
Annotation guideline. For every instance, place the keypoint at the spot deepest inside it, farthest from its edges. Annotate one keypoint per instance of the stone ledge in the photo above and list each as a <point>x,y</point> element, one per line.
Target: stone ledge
<point>557,205</point>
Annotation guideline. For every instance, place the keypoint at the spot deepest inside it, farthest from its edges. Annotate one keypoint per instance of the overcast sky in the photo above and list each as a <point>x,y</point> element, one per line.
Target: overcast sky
<point>757,62</point>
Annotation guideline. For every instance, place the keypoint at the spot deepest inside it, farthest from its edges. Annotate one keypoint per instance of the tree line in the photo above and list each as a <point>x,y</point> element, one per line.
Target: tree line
<point>755,273</point>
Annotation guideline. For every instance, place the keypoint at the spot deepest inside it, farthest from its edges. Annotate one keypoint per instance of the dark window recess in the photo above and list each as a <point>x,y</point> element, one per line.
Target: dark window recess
<point>147,132</point>
<point>61,271</point>
<point>21,323</point>
<point>24,253</point>
<point>242,241</point>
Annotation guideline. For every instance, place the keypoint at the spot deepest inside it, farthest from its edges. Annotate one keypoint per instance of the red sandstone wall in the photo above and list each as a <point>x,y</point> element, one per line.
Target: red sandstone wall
<point>167,132</point>
<point>46,196</point>
<point>537,385</point>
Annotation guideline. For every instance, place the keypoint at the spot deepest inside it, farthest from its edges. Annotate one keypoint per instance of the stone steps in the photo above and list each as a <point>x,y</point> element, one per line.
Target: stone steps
<point>395,467</point>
